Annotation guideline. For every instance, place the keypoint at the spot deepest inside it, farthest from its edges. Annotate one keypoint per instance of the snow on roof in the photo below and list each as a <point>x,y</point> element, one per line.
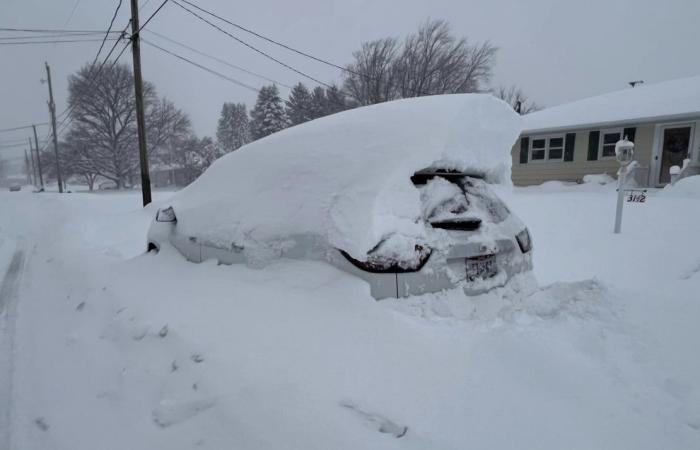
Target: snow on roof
<point>669,99</point>
<point>346,177</point>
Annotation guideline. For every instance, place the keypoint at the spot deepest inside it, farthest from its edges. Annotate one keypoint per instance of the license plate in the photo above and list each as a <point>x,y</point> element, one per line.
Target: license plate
<point>481,267</point>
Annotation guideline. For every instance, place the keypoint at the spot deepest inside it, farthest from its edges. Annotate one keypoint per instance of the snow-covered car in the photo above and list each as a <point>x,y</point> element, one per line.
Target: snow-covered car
<point>399,194</point>
<point>15,187</point>
<point>108,185</point>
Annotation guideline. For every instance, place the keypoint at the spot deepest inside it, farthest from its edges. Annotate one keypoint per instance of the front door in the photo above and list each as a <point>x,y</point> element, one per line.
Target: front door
<point>675,147</point>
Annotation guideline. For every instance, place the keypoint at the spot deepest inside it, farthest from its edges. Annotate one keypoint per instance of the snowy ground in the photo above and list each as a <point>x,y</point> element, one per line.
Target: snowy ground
<point>105,347</point>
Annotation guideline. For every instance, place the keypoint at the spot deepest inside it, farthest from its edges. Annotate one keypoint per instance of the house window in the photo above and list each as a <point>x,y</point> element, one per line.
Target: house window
<point>539,149</point>
<point>548,148</point>
<point>608,140</point>
<point>555,150</point>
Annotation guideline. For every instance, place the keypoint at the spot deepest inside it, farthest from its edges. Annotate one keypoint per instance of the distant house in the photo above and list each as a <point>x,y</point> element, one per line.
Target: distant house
<point>169,175</point>
<point>569,141</point>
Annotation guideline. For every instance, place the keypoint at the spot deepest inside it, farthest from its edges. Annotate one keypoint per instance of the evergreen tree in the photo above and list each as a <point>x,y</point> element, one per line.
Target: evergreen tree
<point>318,103</point>
<point>299,105</point>
<point>335,100</point>
<point>233,130</point>
<point>268,116</point>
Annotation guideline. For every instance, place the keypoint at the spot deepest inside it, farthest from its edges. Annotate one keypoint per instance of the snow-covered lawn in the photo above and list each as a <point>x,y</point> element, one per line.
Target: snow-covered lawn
<point>116,349</point>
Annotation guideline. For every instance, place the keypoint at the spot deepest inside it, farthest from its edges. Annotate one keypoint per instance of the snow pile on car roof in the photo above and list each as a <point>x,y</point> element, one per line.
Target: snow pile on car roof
<point>346,177</point>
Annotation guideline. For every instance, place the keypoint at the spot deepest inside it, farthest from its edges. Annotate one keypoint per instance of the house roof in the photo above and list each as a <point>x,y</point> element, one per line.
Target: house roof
<point>675,99</point>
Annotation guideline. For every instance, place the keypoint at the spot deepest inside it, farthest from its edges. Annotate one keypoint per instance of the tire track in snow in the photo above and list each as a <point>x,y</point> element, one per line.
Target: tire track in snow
<point>8,309</point>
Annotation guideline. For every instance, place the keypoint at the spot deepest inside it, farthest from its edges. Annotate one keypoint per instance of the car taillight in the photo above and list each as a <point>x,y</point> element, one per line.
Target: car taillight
<point>166,215</point>
<point>524,240</point>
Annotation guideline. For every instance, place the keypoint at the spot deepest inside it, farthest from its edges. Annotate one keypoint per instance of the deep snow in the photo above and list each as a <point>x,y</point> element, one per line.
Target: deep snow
<point>346,178</point>
<point>118,349</point>
<point>674,98</point>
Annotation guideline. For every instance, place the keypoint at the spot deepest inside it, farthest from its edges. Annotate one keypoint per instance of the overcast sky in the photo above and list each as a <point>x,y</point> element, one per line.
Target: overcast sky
<point>555,50</point>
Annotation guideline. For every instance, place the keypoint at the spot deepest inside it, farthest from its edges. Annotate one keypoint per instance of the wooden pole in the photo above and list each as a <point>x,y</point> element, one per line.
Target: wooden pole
<point>52,109</point>
<point>140,114</point>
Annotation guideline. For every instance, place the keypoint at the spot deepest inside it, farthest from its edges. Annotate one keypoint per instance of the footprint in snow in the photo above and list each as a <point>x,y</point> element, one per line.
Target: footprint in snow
<point>376,421</point>
<point>41,423</point>
<point>171,412</point>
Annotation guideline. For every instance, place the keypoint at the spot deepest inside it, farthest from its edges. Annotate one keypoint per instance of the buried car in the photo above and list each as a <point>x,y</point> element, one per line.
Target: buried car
<point>399,194</point>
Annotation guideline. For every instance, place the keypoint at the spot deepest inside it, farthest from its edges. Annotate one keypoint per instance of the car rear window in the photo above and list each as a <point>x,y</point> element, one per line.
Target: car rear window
<point>450,198</point>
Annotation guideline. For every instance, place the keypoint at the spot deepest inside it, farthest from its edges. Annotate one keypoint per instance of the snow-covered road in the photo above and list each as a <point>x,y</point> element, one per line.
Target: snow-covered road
<point>118,349</point>
<point>8,304</point>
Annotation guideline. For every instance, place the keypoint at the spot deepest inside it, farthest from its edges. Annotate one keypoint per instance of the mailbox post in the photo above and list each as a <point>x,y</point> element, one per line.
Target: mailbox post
<point>624,153</point>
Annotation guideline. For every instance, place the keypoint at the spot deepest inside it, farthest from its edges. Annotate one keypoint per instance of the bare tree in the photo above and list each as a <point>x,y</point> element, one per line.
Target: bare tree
<point>168,127</point>
<point>75,161</point>
<point>370,77</point>
<point>517,99</point>
<point>433,61</point>
<point>104,119</point>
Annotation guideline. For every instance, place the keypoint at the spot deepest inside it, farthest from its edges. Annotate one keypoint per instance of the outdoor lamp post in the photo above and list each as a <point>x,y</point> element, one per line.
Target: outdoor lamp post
<point>624,153</point>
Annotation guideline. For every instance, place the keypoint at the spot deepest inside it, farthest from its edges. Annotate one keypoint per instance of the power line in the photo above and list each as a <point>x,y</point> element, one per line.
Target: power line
<point>214,58</point>
<point>270,40</point>
<point>251,46</point>
<point>68,119</point>
<point>152,15</point>
<point>13,145</point>
<point>111,23</point>
<point>50,30</point>
<point>47,36</point>
<point>114,63</point>
<point>67,41</point>
<point>72,11</point>
<point>16,141</point>
<point>213,72</point>
<point>4,130</point>
<point>290,48</point>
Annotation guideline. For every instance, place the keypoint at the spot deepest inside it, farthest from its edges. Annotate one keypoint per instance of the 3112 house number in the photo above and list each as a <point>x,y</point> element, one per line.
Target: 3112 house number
<point>636,196</point>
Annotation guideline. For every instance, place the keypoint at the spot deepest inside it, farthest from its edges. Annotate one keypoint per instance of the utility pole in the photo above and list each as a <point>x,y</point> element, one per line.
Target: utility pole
<point>29,167</point>
<point>52,109</point>
<point>140,115</point>
<point>38,159</point>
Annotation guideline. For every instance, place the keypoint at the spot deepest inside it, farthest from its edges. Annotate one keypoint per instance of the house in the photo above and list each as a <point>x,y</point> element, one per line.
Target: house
<point>169,175</point>
<point>569,141</point>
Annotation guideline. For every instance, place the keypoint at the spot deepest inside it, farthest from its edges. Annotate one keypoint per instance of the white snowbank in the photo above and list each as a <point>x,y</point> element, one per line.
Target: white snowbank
<point>670,98</point>
<point>685,187</point>
<point>599,178</point>
<point>346,177</point>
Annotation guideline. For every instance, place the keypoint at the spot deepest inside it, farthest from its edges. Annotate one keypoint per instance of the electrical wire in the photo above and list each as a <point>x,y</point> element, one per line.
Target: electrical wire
<point>213,72</point>
<point>67,120</point>
<point>219,60</point>
<point>111,23</point>
<point>6,130</point>
<point>241,41</point>
<point>48,36</point>
<point>152,15</point>
<point>48,30</point>
<point>67,41</point>
<point>270,40</point>
<point>288,47</point>
<point>72,11</point>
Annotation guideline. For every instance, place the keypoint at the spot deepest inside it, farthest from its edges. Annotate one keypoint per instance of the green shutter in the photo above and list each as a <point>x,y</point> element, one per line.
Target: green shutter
<point>593,142</point>
<point>629,132</point>
<point>524,149</point>
<point>569,143</point>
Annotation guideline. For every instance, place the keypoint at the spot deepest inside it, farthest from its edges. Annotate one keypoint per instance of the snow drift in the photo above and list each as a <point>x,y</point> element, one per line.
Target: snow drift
<point>346,177</point>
